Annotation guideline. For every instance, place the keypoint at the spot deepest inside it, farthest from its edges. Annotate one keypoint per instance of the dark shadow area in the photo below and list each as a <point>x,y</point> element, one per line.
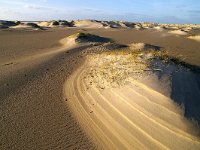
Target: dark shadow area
<point>152,47</point>
<point>9,84</point>
<point>86,37</point>
<point>34,25</point>
<point>114,46</point>
<point>186,91</point>
<point>185,85</point>
<point>6,24</point>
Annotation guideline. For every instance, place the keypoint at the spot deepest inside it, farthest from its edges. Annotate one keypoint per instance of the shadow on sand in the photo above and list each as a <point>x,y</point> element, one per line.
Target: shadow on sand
<point>185,85</point>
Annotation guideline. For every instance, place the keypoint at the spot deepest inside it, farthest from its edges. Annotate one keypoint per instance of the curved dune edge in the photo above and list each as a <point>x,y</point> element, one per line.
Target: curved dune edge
<point>66,44</point>
<point>128,117</point>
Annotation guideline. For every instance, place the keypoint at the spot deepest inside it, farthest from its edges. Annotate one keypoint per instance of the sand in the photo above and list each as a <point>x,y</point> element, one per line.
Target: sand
<point>178,32</point>
<point>44,24</point>
<point>196,38</point>
<point>47,101</point>
<point>126,117</point>
<point>28,26</point>
<point>34,115</point>
<point>87,24</point>
<point>159,28</point>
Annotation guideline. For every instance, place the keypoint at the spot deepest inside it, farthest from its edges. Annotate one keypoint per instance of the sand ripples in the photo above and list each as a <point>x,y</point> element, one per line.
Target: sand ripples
<point>129,116</point>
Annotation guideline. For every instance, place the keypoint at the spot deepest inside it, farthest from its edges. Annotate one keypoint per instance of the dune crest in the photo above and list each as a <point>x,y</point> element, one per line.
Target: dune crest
<point>87,24</point>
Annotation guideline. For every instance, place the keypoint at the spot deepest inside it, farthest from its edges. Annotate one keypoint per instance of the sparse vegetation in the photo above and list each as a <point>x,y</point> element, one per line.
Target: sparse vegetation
<point>34,25</point>
<point>86,37</point>
<point>112,68</point>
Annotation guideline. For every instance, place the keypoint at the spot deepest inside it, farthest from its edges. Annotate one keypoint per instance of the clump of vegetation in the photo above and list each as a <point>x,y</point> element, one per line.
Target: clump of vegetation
<point>113,68</point>
<point>79,34</point>
<point>17,22</point>
<point>34,25</point>
<point>55,23</point>
<point>86,37</point>
<point>7,23</point>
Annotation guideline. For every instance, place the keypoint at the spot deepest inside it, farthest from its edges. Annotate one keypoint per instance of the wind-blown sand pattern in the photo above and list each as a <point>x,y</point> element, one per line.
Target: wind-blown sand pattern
<point>120,111</point>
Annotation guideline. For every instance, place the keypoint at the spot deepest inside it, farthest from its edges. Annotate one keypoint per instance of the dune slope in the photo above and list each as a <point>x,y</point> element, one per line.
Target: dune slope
<point>121,112</point>
<point>32,109</point>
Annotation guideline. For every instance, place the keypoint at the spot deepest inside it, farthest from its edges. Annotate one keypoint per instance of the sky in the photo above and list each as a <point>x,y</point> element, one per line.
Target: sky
<point>160,11</point>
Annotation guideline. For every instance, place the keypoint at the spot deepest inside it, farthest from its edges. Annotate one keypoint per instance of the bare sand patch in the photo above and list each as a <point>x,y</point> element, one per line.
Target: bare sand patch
<point>178,32</point>
<point>196,38</point>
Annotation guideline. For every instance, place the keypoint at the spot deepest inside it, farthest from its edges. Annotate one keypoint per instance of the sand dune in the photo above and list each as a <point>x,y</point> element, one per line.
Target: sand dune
<point>175,28</point>
<point>48,24</point>
<point>30,26</point>
<point>178,32</point>
<point>44,24</point>
<point>196,38</point>
<point>59,23</point>
<point>106,24</point>
<point>120,111</point>
<point>158,28</point>
<point>88,24</point>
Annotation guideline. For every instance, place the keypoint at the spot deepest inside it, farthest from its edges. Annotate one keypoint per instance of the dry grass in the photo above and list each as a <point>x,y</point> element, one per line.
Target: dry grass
<point>112,68</point>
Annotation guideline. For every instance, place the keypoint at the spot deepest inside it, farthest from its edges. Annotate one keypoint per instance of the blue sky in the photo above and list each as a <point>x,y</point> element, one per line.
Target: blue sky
<point>163,11</point>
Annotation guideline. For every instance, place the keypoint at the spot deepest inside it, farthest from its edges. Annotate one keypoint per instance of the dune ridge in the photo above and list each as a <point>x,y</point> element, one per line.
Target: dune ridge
<point>126,114</point>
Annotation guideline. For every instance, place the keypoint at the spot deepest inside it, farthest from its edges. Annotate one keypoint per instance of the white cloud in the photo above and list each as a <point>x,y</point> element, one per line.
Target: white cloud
<point>30,6</point>
<point>45,1</point>
<point>36,8</point>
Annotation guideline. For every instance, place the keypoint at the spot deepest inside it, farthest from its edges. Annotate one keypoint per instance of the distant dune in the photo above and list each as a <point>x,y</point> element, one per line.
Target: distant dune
<point>178,32</point>
<point>88,24</point>
<point>174,28</point>
<point>196,38</point>
<point>30,26</point>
